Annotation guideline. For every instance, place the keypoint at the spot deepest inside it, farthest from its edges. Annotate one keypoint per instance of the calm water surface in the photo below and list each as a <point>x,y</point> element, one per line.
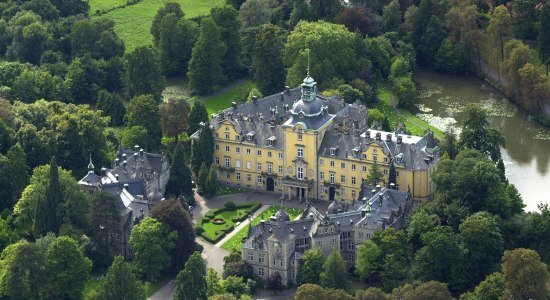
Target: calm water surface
<point>527,152</point>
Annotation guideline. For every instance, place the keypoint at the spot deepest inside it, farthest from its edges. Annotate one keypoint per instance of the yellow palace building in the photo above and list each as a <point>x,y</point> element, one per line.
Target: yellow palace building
<point>305,146</point>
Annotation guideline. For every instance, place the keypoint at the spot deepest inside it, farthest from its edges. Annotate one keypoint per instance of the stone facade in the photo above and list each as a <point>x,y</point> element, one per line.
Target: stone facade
<point>278,245</point>
<point>138,180</point>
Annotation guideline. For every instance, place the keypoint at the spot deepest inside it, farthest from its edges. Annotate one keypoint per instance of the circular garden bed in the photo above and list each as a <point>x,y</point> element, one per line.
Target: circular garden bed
<point>218,221</point>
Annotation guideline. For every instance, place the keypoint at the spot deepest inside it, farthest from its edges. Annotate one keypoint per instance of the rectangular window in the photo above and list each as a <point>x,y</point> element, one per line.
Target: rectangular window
<point>238,174</point>
<point>353,181</point>
<point>280,156</point>
<point>281,262</point>
<point>300,152</point>
<point>269,154</point>
<point>227,162</point>
<point>226,148</point>
<point>217,160</point>
<point>259,179</point>
<point>237,163</point>
<point>385,172</point>
<point>227,136</point>
<point>228,175</point>
<point>248,165</point>
<point>322,175</point>
<point>396,173</point>
<point>280,169</point>
<point>353,167</point>
<point>248,177</point>
<point>364,168</point>
<point>300,172</point>
<point>259,153</point>
<point>237,138</point>
<point>269,168</point>
<point>261,258</point>
<point>259,166</point>
<point>364,156</point>
<point>375,157</point>
<point>353,194</point>
<point>250,256</point>
<point>343,165</point>
<point>217,147</point>
<point>300,136</point>
<point>343,179</point>
<point>321,162</point>
<point>248,151</point>
<point>238,149</point>
<point>332,163</point>
<point>332,177</point>
<point>261,271</point>
<point>385,159</point>
<point>274,262</point>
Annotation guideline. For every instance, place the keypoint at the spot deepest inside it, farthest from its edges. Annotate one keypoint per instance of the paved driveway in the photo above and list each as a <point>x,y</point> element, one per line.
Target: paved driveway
<point>214,255</point>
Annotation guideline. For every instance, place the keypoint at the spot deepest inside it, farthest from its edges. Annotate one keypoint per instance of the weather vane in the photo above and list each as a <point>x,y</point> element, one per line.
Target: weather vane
<point>307,61</point>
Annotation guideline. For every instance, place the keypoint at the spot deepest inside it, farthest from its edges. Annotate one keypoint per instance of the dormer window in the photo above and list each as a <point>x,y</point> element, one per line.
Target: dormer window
<point>333,151</point>
<point>271,141</point>
<point>355,151</point>
<point>250,136</point>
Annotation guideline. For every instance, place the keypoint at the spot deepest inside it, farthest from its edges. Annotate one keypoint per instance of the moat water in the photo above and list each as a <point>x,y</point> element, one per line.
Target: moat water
<point>527,152</point>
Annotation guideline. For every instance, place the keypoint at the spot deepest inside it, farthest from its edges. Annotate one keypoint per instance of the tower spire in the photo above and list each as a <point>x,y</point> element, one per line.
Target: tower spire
<point>307,62</point>
<point>91,166</point>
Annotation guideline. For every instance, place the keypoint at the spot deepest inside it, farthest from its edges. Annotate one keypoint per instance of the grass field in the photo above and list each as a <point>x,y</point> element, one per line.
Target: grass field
<point>210,228</point>
<point>133,22</point>
<point>235,241</point>
<point>415,125</point>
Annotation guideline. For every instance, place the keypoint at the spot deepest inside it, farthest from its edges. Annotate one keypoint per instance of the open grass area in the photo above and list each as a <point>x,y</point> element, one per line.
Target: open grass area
<point>237,93</point>
<point>235,242</point>
<point>90,288</point>
<point>415,125</point>
<point>133,22</point>
<point>210,228</point>
<point>213,231</point>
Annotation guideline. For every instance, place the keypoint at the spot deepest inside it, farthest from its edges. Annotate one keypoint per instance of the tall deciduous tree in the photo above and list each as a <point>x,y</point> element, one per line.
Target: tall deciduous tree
<point>213,286</point>
<point>180,182</point>
<point>144,111</point>
<point>111,105</point>
<point>311,266</point>
<point>482,243</point>
<point>476,133</point>
<point>525,276</point>
<point>332,53</point>
<point>67,269</point>
<point>268,64</point>
<point>168,8</point>
<point>152,242</point>
<point>191,281</point>
<point>205,66</point>
<point>177,37</point>
<point>23,273</point>
<point>144,74</point>
<point>120,283</point>
<point>14,174</point>
<point>500,25</point>
<point>391,18</point>
<point>254,13</point>
<point>334,271</point>
<point>544,35</point>
<point>175,117</point>
<point>171,213</point>
<point>367,261</point>
<point>227,19</point>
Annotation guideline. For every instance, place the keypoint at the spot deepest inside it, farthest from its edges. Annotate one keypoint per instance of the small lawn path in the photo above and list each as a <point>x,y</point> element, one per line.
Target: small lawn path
<point>241,226</point>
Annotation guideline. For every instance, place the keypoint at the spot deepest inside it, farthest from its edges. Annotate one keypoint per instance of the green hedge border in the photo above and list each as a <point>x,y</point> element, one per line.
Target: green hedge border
<point>219,234</point>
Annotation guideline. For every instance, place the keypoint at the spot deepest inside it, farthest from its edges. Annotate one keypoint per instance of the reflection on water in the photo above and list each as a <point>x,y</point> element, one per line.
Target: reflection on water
<point>527,152</point>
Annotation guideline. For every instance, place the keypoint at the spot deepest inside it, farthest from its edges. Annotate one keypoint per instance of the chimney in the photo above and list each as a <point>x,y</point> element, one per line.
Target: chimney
<point>234,105</point>
<point>124,156</point>
<point>116,177</point>
<point>135,155</point>
<point>392,186</point>
<point>380,198</point>
<point>262,223</point>
<point>282,96</point>
<point>287,89</point>
<point>378,187</point>
<point>255,99</point>
<point>103,171</point>
<point>388,137</point>
<point>126,186</point>
<point>378,136</point>
<point>117,161</point>
<point>141,152</point>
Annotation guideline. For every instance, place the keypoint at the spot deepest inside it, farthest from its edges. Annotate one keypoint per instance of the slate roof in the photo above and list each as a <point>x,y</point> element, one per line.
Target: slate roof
<point>91,179</point>
<point>413,152</point>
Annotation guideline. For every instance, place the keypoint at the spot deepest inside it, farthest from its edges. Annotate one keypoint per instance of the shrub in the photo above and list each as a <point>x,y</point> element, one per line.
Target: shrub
<point>198,230</point>
<point>230,206</point>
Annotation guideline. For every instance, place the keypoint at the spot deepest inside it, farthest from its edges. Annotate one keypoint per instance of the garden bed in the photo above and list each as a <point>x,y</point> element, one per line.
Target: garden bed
<point>218,222</point>
<point>236,241</point>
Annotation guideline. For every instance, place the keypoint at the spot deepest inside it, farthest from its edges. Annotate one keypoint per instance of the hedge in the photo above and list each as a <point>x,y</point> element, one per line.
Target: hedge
<point>249,208</point>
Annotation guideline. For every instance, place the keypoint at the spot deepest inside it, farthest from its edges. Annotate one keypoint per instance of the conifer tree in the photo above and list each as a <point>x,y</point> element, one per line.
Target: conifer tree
<point>205,69</point>
<point>144,75</point>
<point>120,283</point>
<point>168,8</point>
<point>334,271</point>
<point>180,175</point>
<point>268,64</point>
<point>202,149</point>
<point>46,213</point>
<point>375,175</point>
<point>212,181</point>
<point>392,176</point>
<point>203,175</point>
<point>197,115</point>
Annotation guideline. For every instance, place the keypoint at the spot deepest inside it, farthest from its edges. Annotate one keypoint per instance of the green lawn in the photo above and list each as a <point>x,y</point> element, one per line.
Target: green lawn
<point>235,242</point>
<point>223,100</point>
<point>415,125</point>
<point>133,22</point>
<point>90,288</point>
